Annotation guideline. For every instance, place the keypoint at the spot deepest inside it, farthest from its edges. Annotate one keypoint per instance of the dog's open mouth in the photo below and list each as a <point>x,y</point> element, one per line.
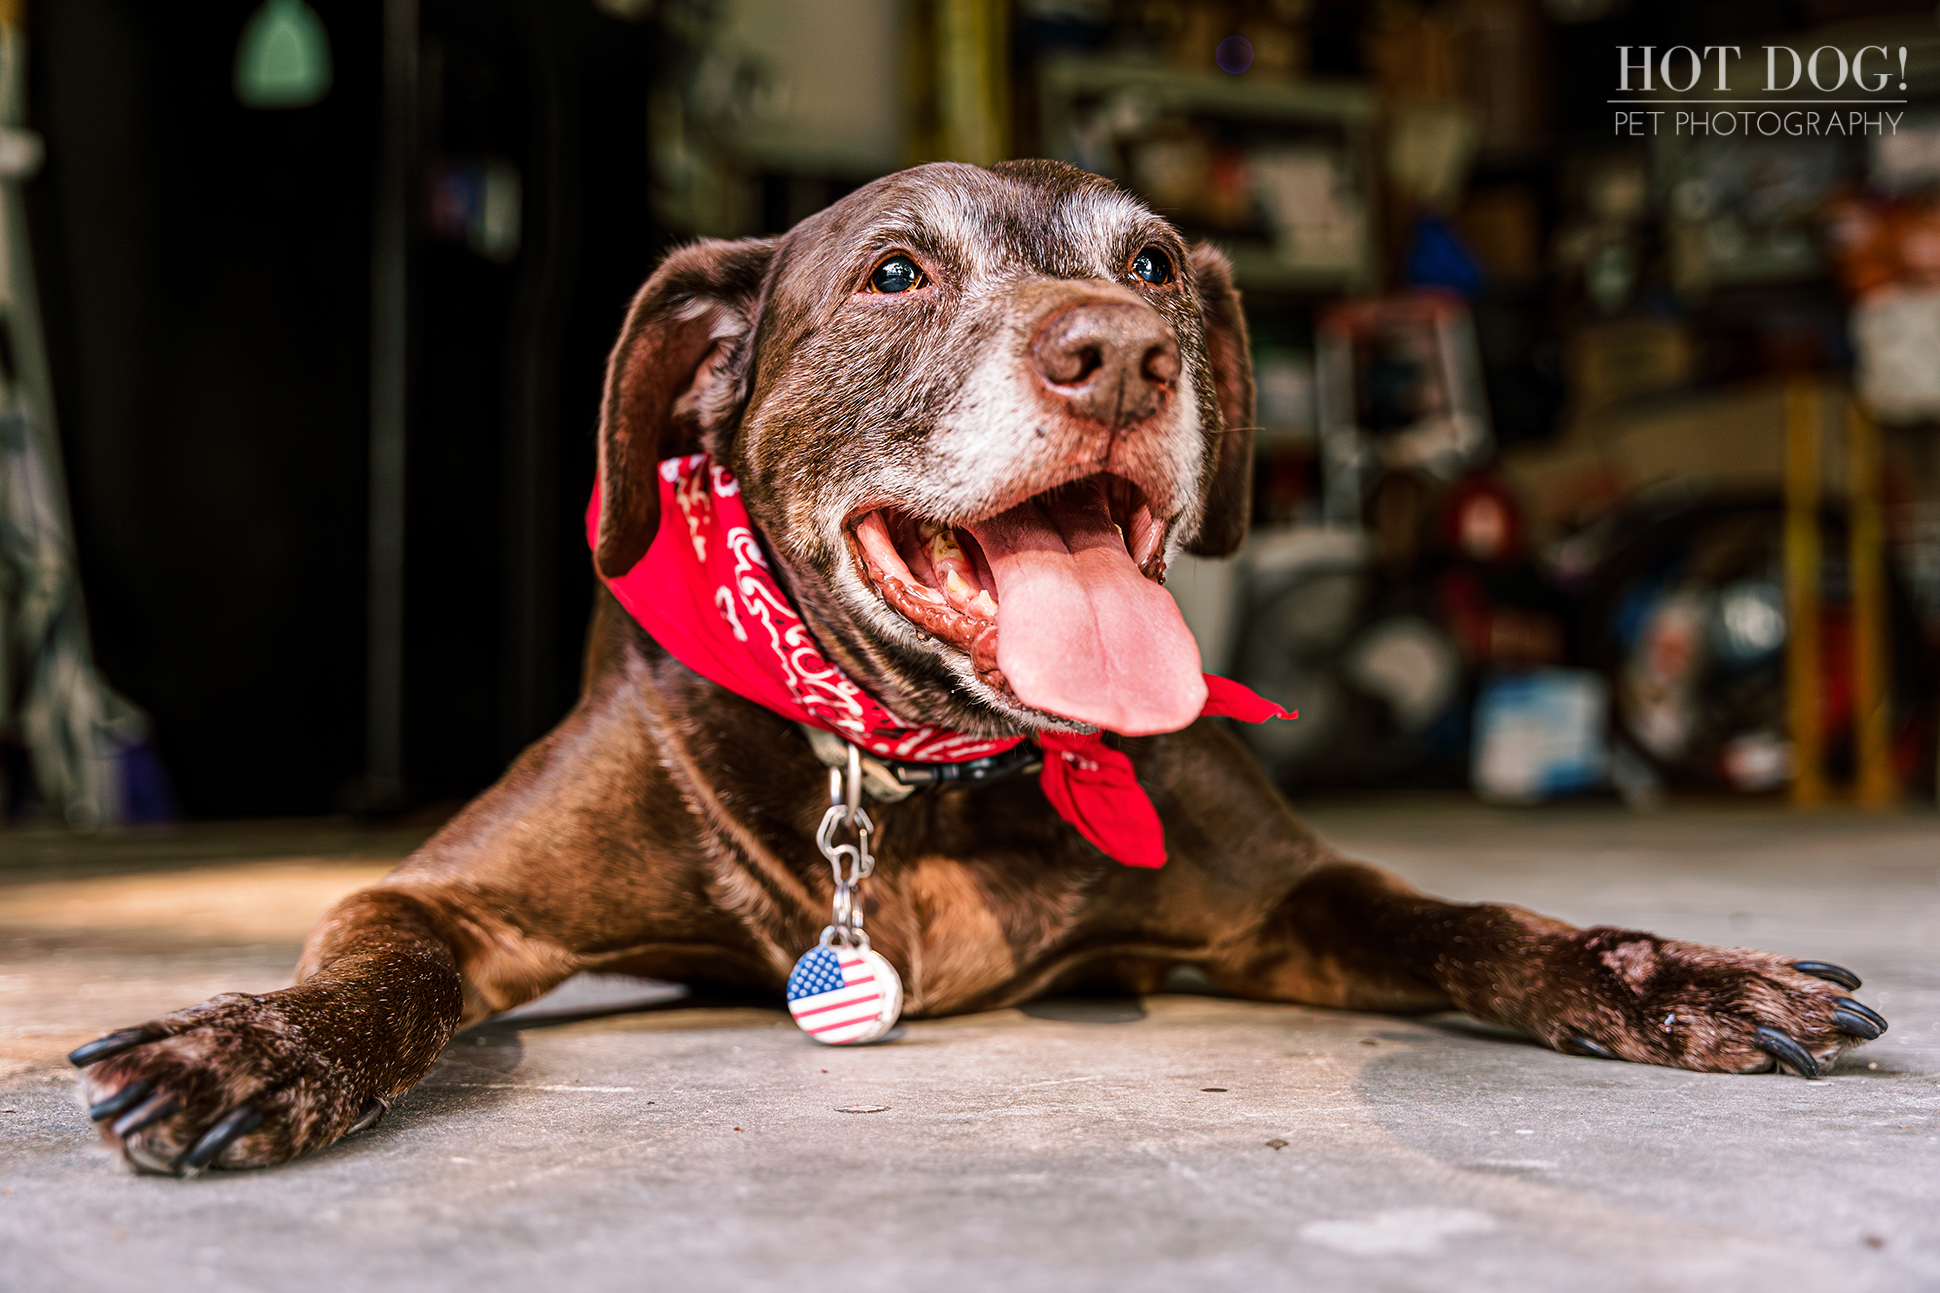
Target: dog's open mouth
<point>1056,600</point>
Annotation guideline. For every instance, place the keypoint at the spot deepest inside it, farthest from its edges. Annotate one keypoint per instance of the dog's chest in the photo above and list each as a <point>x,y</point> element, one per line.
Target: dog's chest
<point>935,919</point>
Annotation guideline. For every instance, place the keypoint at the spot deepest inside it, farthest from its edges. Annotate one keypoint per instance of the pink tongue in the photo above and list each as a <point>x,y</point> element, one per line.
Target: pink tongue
<point>1080,632</point>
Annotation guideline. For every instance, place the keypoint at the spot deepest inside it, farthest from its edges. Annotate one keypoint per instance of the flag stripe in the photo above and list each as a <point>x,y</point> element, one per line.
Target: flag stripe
<point>843,1023</point>
<point>866,1001</point>
<point>836,1005</point>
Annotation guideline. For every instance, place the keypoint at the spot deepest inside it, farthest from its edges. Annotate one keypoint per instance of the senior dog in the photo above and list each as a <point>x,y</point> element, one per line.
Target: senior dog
<point>969,414</point>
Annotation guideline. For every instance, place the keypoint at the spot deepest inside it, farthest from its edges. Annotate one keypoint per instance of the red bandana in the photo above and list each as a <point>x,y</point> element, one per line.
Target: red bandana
<point>705,593</point>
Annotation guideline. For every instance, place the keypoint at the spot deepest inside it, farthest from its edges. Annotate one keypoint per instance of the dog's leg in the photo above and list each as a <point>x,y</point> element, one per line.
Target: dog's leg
<point>1292,921</point>
<point>388,976</point>
<point>248,1080</point>
<point>498,908</point>
<point>1350,935</point>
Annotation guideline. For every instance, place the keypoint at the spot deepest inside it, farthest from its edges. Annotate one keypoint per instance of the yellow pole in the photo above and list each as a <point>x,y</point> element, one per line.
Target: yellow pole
<point>1872,689</point>
<point>973,80</point>
<point>1802,433</point>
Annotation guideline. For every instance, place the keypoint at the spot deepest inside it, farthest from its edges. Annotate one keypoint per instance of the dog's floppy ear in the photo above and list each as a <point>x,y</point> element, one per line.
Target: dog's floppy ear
<point>674,372</point>
<point>1229,504</point>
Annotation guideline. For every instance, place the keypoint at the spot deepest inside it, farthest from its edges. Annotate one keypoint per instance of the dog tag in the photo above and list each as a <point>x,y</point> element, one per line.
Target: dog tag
<point>842,996</point>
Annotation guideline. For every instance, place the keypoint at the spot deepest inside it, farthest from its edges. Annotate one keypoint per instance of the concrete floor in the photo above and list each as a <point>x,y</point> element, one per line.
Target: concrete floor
<point>1080,1145</point>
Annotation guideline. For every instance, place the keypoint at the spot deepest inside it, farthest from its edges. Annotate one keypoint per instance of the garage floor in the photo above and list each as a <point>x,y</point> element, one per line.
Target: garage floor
<point>1181,1143</point>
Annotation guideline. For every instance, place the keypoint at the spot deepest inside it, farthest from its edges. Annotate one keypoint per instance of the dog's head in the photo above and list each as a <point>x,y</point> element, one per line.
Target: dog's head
<point>973,412</point>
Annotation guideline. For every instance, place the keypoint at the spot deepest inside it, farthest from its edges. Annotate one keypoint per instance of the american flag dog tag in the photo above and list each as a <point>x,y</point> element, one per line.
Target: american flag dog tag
<point>842,996</point>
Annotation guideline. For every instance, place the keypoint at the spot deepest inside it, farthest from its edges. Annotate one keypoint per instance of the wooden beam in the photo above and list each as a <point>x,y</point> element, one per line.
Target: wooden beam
<point>1872,685</point>
<point>1802,666</point>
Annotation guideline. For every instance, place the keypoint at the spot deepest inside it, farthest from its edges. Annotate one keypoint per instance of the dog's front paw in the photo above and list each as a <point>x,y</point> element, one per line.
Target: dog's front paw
<point>1624,994</point>
<point>233,1082</point>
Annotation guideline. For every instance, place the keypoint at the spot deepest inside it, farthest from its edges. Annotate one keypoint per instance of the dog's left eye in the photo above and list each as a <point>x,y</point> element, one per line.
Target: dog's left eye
<point>897,274</point>
<point>1152,265</point>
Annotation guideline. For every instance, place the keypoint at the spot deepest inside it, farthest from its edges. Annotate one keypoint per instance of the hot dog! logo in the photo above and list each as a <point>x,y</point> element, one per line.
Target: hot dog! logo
<point>1867,77</point>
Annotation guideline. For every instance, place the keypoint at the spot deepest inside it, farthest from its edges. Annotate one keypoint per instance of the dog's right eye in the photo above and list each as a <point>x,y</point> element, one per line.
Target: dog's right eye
<point>1154,266</point>
<point>897,274</point>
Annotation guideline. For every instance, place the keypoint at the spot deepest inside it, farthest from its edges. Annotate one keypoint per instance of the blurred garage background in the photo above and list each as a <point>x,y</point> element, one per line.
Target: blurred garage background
<point>1590,463</point>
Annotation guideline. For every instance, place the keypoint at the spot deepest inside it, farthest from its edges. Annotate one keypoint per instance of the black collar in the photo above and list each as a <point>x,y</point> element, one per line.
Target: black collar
<point>890,780</point>
<point>1019,758</point>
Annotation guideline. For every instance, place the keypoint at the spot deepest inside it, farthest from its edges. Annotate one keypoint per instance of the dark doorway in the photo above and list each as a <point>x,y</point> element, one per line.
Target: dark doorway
<point>205,271</point>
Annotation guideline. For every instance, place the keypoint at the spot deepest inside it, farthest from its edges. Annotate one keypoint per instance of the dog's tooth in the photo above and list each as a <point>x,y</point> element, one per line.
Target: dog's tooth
<point>985,603</point>
<point>953,582</point>
<point>943,546</point>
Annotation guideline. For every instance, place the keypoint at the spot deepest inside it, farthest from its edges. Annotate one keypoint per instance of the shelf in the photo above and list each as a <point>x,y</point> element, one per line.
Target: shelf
<point>1263,270</point>
<point>1089,105</point>
<point>1328,102</point>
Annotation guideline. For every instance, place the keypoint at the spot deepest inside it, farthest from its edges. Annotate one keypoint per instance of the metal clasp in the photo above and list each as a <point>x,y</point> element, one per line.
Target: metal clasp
<point>851,863</point>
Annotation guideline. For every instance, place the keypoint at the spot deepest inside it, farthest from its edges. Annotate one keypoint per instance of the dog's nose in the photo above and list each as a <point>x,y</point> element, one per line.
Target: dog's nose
<point>1111,362</point>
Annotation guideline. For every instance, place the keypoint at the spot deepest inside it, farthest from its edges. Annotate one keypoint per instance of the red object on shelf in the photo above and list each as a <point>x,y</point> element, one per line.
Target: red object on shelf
<point>1880,242</point>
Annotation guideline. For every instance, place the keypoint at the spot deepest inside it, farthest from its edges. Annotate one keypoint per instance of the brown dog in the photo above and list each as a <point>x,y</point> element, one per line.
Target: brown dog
<point>1024,357</point>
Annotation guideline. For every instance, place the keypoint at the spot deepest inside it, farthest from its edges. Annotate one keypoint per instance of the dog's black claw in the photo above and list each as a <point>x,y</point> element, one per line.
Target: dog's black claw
<point>373,1113</point>
<point>1785,1050</point>
<point>237,1123</point>
<point>1831,973</point>
<point>1846,1005</point>
<point>1848,1022</point>
<point>154,1111</point>
<point>113,1044</point>
<point>1592,1050</point>
<point>120,1102</point>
